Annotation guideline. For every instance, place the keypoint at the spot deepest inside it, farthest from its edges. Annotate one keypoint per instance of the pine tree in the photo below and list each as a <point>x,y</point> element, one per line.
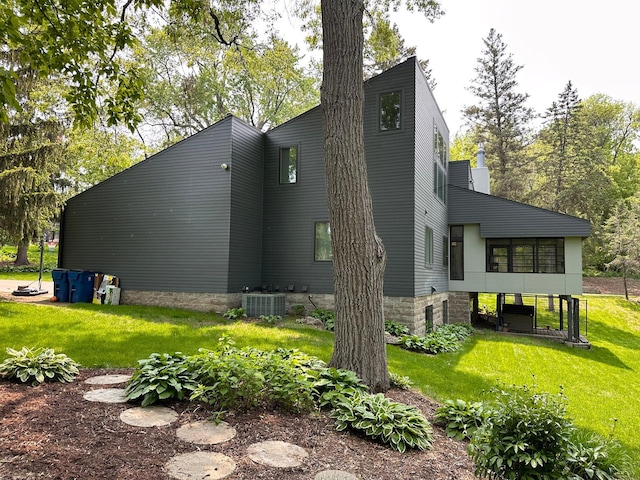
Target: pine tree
<point>501,119</point>
<point>31,153</point>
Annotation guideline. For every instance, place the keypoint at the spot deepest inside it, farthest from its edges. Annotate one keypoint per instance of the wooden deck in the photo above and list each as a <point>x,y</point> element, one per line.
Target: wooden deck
<point>561,336</point>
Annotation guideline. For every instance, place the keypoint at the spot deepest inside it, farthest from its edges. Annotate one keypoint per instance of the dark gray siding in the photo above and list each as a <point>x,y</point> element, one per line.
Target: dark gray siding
<point>501,218</point>
<point>162,224</point>
<point>390,164</point>
<point>460,173</point>
<point>428,210</point>
<point>290,211</point>
<point>245,244</point>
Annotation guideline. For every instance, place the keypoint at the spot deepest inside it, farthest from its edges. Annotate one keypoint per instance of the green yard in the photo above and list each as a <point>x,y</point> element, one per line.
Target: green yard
<point>602,384</point>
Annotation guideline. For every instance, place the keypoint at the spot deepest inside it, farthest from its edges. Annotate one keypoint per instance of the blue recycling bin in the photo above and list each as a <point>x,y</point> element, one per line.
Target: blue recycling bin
<point>60,284</point>
<point>80,286</point>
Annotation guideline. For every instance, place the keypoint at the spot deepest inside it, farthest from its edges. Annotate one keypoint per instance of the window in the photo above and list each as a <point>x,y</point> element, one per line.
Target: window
<point>445,251</point>
<point>390,118</point>
<point>322,247</point>
<point>428,247</point>
<point>288,165</point>
<point>525,255</point>
<point>428,318</point>
<point>445,312</point>
<point>440,159</point>
<point>456,268</point>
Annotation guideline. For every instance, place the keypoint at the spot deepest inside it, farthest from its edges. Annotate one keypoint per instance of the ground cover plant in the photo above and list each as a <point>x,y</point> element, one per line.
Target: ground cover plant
<point>601,384</point>
<point>37,366</point>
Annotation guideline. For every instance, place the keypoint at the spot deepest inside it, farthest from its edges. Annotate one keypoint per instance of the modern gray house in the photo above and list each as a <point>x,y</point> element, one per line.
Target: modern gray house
<point>232,208</point>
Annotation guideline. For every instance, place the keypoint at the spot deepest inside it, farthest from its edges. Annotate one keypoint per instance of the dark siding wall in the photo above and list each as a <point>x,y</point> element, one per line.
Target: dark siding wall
<point>245,245</point>
<point>460,173</point>
<point>429,209</point>
<point>290,211</point>
<point>161,225</point>
<point>390,164</point>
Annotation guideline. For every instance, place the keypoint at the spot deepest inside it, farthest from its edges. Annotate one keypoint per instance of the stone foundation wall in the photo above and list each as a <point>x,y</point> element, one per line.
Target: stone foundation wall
<point>406,310</point>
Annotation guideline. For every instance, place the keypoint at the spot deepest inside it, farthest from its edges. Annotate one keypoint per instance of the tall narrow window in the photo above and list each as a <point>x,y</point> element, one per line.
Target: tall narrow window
<point>440,160</point>
<point>445,312</point>
<point>322,248</point>
<point>445,251</point>
<point>289,165</point>
<point>390,111</point>
<point>428,246</point>
<point>456,267</point>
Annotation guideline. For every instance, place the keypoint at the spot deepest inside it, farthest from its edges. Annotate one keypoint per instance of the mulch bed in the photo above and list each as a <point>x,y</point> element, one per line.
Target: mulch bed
<point>52,432</point>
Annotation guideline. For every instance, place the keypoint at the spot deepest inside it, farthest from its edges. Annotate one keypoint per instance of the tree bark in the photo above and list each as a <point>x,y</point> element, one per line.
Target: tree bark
<point>359,257</point>
<point>21,254</point>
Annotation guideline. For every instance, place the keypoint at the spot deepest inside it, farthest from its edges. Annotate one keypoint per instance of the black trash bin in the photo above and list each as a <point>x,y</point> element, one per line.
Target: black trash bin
<point>80,286</point>
<point>60,284</point>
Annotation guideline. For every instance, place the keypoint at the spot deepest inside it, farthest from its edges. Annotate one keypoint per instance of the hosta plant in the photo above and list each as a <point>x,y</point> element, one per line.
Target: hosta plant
<point>398,425</point>
<point>332,384</point>
<point>38,365</point>
<point>235,313</point>
<point>461,419</point>
<point>162,377</point>
<point>394,328</point>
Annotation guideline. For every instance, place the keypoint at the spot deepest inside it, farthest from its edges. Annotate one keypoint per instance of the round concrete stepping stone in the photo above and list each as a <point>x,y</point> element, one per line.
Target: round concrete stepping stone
<point>274,453</point>
<point>334,475</point>
<point>206,432</point>
<point>200,466</point>
<point>149,416</point>
<point>107,379</point>
<point>106,395</point>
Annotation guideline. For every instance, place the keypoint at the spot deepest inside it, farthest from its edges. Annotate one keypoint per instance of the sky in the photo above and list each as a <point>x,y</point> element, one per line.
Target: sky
<point>596,45</point>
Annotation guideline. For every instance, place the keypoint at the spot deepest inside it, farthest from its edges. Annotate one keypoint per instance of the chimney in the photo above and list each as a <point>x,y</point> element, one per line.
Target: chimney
<point>480,174</point>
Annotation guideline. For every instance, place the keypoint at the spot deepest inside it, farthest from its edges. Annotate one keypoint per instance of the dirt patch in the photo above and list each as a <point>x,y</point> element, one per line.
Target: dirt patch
<point>610,286</point>
<point>50,431</point>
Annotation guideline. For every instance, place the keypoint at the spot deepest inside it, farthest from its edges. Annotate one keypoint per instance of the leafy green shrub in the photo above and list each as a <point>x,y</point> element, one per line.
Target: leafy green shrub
<point>396,424</point>
<point>394,328</point>
<point>525,436</point>
<point>446,339</point>
<point>593,457</point>
<point>271,319</point>
<point>162,377</point>
<point>326,316</point>
<point>399,381</point>
<point>332,384</point>
<point>298,310</point>
<point>461,419</point>
<point>37,366</point>
<point>235,313</point>
<point>232,378</point>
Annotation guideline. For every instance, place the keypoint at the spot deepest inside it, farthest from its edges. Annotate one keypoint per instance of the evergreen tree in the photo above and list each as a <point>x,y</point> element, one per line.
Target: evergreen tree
<point>501,119</point>
<point>31,157</point>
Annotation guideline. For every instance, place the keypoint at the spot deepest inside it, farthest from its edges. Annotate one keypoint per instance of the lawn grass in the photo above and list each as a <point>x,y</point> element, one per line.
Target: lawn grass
<point>8,255</point>
<point>602,384</point>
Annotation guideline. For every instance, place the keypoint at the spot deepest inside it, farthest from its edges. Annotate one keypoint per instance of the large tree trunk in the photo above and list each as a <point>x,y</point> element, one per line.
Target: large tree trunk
<point>359,257</point>
<point>21,255</point>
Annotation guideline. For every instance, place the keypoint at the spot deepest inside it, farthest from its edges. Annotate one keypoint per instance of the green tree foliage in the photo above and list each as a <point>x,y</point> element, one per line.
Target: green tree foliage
<point>622,236</point>
<point>463,147</point>
<point>501,119</point>
<point>192,81</point>
<point>31,157</point>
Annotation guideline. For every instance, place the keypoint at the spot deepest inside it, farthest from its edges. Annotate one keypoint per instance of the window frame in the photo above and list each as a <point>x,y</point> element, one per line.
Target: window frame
<point>400,121</point>
<point>525,255</point>
<point>281,151</point>
<point>456,249</point>
<point>315,242</point>
<point>428,247</point>
<point>440,164</point>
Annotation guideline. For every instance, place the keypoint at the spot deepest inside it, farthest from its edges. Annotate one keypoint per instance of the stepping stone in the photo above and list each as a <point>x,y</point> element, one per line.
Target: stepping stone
<point>277,454</point>
<point>200,466</point>
<point>206,432</point>
<point>107,379</point>
<point>149,416</point>
<point>334,475</point>
<point>106,395</point>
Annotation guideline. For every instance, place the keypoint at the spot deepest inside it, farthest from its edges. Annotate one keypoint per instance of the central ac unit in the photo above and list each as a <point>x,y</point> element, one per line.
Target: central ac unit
<point>256,304</point>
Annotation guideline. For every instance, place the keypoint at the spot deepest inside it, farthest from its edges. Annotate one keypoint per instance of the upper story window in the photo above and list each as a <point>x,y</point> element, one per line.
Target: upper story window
<point>525,255</point>
<point>323,252</point>
<point>440,160</point>
<point>289,165</point>
<point>390,111</point>
<point>428,246</point>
